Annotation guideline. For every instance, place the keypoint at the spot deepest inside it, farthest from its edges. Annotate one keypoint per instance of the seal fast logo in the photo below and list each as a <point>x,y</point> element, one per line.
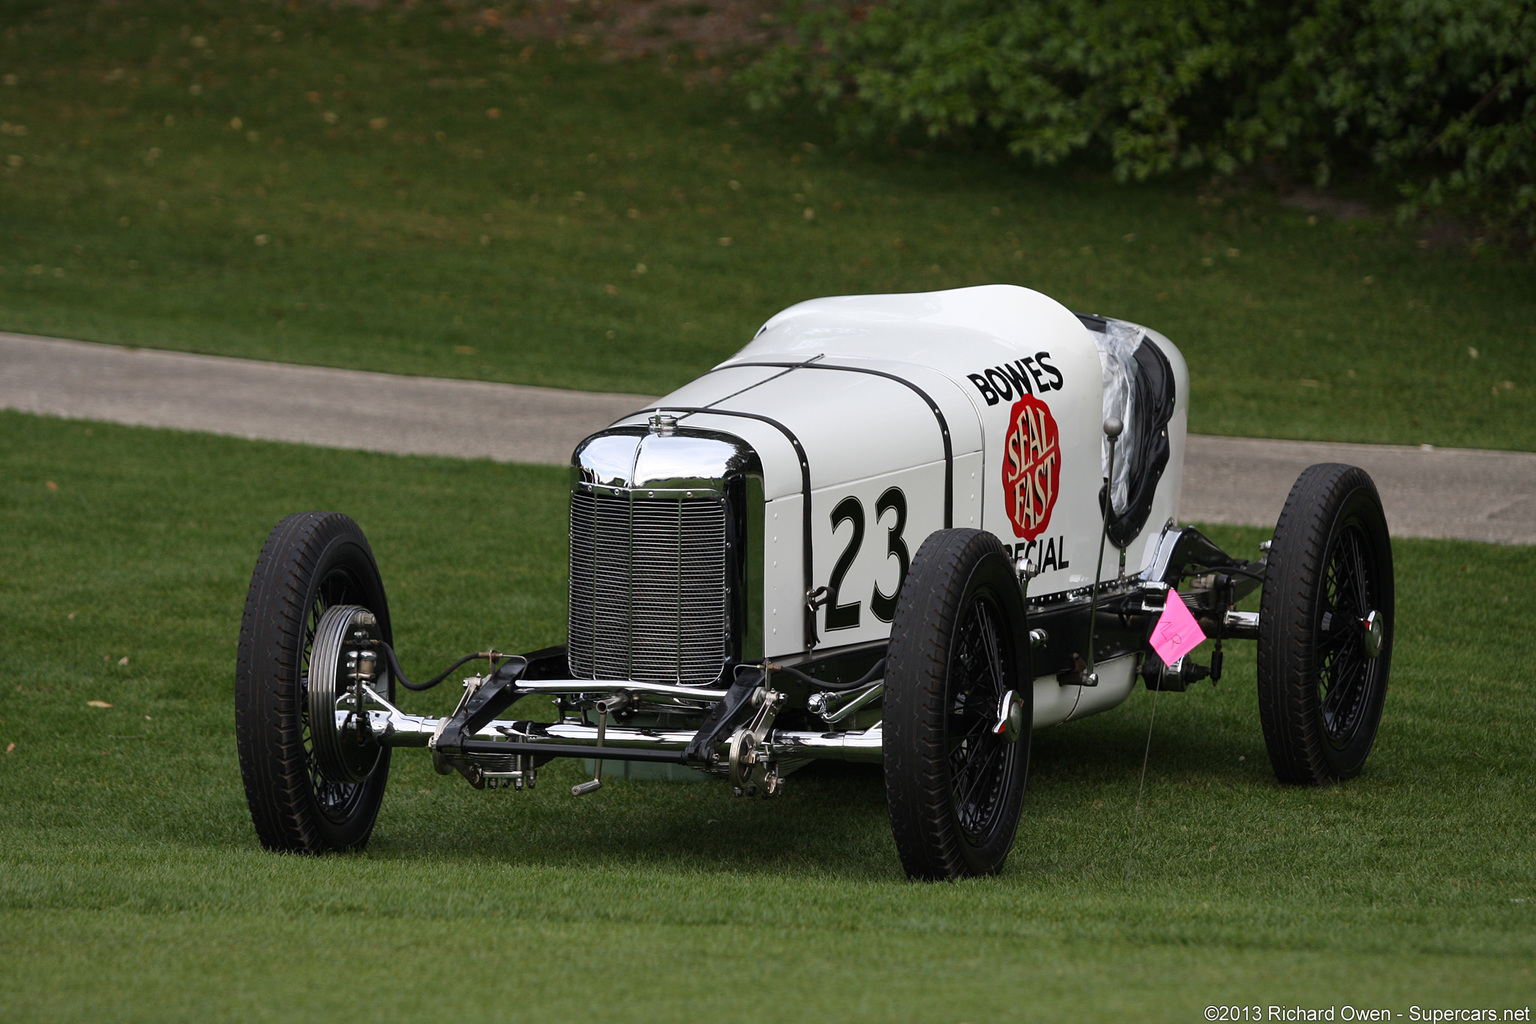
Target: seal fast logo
<point>1031,467</point>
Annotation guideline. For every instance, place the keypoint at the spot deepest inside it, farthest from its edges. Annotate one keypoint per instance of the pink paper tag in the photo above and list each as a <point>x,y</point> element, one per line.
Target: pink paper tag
<point>1176,633</point>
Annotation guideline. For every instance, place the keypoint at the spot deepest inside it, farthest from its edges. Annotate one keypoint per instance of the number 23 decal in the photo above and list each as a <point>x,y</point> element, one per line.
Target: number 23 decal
<point>850,509</point>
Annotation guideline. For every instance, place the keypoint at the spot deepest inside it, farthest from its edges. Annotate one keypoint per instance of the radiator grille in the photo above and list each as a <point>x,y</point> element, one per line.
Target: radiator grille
<point>648,589</point>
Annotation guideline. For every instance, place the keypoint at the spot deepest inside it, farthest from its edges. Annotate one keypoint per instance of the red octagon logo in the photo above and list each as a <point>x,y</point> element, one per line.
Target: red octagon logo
<point>1031,467</point>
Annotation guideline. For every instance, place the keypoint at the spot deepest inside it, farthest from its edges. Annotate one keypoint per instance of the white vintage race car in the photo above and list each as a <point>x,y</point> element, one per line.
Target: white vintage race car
<point>902,529</point>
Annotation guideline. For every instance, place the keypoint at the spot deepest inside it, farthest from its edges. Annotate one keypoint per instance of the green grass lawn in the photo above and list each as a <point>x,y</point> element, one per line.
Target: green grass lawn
<point>132,886</point>
<point>386,190</point>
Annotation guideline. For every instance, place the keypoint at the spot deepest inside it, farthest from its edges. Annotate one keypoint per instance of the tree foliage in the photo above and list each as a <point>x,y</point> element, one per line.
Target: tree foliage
<point>1437,97</point>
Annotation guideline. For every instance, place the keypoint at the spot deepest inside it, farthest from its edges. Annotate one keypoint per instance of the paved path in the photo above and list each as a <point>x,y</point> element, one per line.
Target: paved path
<point>375,412</point>
<point>1476,495</point>
<point>1442,492</point>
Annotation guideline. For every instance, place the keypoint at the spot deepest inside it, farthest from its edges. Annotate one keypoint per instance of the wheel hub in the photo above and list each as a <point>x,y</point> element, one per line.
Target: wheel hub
<point>342,662</point>
<point>1372,633</point>
<point>1010,717</point>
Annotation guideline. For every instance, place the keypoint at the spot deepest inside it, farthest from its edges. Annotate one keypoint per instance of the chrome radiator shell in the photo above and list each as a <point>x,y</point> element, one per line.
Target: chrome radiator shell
<point>658,548</point>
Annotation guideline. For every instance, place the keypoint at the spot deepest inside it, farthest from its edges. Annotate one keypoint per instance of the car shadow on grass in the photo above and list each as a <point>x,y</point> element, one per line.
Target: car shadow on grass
<point>831,818</point>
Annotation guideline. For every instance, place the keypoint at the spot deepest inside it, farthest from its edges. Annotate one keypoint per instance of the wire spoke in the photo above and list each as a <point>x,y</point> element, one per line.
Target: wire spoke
<point>978,760</point>
<point>1337,636</point>
<point>1346,675</point>
<point>1346,684</point>
<point>984,766</point>
<point>1361,576</point>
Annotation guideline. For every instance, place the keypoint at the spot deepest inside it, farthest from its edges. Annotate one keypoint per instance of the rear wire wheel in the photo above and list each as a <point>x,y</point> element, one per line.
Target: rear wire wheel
<point>311,562</point>
<point>1325,627</point>
<point>957,667</point>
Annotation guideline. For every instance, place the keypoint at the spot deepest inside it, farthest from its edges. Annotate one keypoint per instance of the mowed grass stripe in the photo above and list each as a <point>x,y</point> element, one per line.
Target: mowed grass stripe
<point>132,886</point>
<point>507,970</point>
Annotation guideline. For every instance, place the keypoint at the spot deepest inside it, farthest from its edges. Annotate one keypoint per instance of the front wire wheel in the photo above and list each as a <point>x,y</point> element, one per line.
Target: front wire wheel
<point>1325,627</point>
<point>311,562</point>
<point>957,670</point>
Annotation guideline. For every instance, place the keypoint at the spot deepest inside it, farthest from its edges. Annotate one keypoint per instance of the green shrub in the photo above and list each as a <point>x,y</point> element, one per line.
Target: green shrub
<point>1436,97</point>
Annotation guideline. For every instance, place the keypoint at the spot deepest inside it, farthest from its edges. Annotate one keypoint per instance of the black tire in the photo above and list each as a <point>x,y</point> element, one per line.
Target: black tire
<point>1321,690</point>
<point>310,562</point>
<point>954,787</point>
